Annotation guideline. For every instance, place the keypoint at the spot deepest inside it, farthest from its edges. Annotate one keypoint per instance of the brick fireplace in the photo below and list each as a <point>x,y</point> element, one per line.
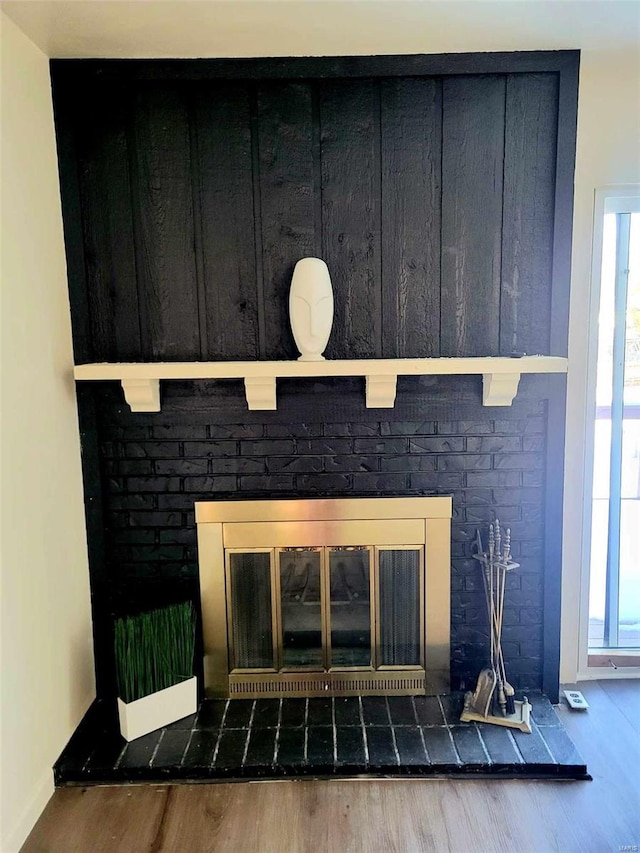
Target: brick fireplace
<point>438,191</point>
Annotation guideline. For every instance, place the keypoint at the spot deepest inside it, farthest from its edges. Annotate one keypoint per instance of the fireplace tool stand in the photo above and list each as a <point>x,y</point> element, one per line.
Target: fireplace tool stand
<point>493,700</point>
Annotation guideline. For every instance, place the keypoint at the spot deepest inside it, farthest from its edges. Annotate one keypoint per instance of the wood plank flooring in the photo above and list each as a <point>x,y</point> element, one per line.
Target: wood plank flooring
<point>367,816</point>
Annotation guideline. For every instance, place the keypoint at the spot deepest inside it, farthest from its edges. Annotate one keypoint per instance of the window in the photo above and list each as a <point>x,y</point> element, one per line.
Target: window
<point>614,590</point>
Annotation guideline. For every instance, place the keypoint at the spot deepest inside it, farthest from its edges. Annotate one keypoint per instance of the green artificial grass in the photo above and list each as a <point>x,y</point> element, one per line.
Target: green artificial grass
<point>154,650</point>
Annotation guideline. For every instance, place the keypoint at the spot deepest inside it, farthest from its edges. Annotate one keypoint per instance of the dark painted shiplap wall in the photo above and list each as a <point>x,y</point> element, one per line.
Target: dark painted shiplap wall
<point>430,198</point>
<point>438,190</point>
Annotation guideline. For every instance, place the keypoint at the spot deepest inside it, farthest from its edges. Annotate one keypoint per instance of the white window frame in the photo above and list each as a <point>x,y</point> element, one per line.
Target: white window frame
<point>575,608</point>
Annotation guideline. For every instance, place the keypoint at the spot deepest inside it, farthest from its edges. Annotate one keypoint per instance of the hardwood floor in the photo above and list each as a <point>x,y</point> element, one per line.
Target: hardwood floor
<point>478,816</point>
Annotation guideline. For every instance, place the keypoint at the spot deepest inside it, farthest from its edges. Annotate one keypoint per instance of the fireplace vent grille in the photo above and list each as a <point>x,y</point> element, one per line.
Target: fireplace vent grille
<point>320,684</point>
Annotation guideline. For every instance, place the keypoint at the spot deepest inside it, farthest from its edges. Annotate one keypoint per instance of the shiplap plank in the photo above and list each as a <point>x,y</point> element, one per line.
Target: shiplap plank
<point>223,178</point>
<point>411,140</point>
<point>103,168</point>
<point>286,140</point>
<point>163,210</point>
<point>350,151</point>
<point>529,197</point>
<point>472,166</point>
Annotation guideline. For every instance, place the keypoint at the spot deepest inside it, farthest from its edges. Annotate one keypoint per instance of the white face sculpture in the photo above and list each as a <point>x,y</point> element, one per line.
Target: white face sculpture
<point>311,307</point>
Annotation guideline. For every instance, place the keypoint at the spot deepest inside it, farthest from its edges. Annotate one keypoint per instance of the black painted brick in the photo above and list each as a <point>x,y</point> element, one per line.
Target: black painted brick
<point>407,463</point>
<point>210,448</point>
<point>464,462</point>
<point>324,446</point>
<point>519,461</point>
<point>379,482</point>
<point>438,481</point>
<point>380,445</point>
<point>134,536</point>
<point>180,467</point>
<point>128,467</point>
<point>237,465</point>
<point>351,463</point>
<point>178,432</point>
<point>485,514</point>
<point>217,483</point>
<point>179,501</point>
<point>493,479</point>
<point>464,427</point>
<point>153,484</point>
<point>236,431</point>
<point>532,478</point>
<point>268,483</point>
<point>436,444</point>
<point>267,447</point>
<point>324,482</point>
<point>155,519</point>
<point>409,428</point>
<point>169,466</point>
<point>295,464</point>
<point>493,444</point>
<point>131,502</point>
<point>152,449</point>
<point>179,536</point>
<point>293,430</point>
<point>352,429</point>
<point>152,554</point>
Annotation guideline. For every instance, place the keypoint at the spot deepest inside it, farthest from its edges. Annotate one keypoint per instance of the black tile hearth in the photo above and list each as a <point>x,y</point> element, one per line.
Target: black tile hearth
<point>271,738</point>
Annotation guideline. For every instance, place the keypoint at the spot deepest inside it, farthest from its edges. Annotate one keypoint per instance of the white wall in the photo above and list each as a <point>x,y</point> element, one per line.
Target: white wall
<point>608,152</point>
<point>46,653</point>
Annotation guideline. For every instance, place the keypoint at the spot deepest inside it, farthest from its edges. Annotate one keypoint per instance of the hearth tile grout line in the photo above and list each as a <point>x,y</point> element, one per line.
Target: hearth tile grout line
<point>393,733</point>
<point>155,751</point>
<point>193,731</point>
<point>116,766</point>
<point>276,743</point>
<point>249,730</point>
<point>85,766</point>
<point>484,747</point>
<point>519,755</point>
<point>186,749</point>
<point>424,745</point>
<point>219,738</point>
<point>306,731</point>
<point>386,705</point>
<point>335,733</point>
<point>415,713</point>
<point>364,731</point>
<point>549,750</point>
<point>447,727</point>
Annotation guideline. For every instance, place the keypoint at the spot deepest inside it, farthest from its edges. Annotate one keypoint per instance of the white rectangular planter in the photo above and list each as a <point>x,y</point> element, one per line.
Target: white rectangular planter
<point>158,709</point>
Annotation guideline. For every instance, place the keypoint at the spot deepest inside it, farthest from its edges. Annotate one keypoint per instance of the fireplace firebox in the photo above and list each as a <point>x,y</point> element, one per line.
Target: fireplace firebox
<point>325,597</point>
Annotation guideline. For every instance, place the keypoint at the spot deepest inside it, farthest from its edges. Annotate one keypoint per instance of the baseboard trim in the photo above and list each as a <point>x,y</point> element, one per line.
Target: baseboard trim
<point>42,793</point>
<point>27,820</point>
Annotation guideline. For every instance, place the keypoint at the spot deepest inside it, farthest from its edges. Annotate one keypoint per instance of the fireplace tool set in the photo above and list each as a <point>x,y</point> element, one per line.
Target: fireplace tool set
<point>493,700</point>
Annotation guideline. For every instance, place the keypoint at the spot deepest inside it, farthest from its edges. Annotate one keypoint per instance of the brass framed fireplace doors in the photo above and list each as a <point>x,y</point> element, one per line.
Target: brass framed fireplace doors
<point>325,597</point>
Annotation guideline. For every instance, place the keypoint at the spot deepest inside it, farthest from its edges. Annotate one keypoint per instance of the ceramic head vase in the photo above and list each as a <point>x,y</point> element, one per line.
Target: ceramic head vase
<point>311,308</point>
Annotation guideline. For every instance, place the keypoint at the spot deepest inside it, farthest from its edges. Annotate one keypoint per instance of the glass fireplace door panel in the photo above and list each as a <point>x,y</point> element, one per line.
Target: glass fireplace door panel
<point>400,606</point>
<point>251,633</point>
<point>301,608</point>
<point>350,607</point>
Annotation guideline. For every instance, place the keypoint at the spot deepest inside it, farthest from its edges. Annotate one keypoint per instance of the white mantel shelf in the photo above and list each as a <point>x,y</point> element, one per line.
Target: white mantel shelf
<point>141,381</point>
